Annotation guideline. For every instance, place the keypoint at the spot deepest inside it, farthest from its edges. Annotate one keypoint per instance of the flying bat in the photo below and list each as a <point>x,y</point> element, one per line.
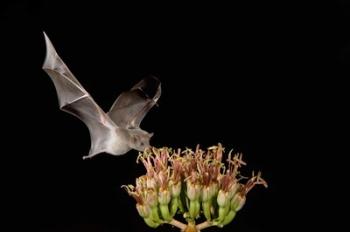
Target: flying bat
<point>115,132</point>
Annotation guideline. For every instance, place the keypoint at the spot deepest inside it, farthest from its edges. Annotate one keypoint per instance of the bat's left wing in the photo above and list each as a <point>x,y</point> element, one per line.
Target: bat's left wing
<point>74,99</point>
<point>132,106</point>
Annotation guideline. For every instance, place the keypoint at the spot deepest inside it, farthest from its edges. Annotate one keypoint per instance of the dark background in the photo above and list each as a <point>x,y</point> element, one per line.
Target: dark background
<point>252,76</point>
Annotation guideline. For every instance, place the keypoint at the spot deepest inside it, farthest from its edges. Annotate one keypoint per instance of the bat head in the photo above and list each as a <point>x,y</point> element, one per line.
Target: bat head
<point>140,139</point>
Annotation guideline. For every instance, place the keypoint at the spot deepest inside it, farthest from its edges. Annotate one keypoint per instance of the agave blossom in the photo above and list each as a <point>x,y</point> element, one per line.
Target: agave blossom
<point>196,185</point>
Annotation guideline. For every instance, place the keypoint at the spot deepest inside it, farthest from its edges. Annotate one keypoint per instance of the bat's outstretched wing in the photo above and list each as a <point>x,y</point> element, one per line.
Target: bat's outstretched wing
<point>131,107</point>
<point>74,99</point>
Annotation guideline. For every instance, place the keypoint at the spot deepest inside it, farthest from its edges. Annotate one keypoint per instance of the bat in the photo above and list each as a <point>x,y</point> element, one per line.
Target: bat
<point>115,132</point>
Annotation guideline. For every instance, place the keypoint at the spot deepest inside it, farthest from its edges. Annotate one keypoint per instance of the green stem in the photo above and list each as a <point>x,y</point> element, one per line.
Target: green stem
<point>203,225</point>
<point>177,224</point>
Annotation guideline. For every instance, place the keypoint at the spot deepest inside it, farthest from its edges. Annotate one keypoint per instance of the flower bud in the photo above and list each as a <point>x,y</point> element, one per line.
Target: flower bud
<point>214,188</point>
<point>174,205</point>
<point>223,198</point>
<point>164,197</point>
<point>176,189</point>
<point>143,210</point>
<point>151,223</point>
<point>222,213</point>
<point>198,189</point>
<point>151,198</point>
<point>237,202</point>
<point>206,194</point>
<point>233,189</point>
<point>229,217</point>
<point>206,206</point>
<point>194,209</point>
<point>191,191</point>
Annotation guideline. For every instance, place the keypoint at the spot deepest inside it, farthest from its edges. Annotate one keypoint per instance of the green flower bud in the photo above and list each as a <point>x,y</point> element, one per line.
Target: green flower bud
<point>233,189</point>
<point>151,198</point>
<point>164,197</point>
<point>176,189</point>
<point>214,188</point>
<point>237,202</point>
<point>222,213</point>
<point>229,217</point>
<point>194,209</point>
<point>223,198</point>
<point>206,206</point>
<point>155,215</point>
<point>164,210</point>
<point>191,191</point>
<point>143,210</point>
<point>174,204</point>
<point>206,194</point>
<point>198,188</point>
<point>151,223</point>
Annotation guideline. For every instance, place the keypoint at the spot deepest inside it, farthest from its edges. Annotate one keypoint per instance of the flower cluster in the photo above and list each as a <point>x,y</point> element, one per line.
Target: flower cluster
<point>196,184</point>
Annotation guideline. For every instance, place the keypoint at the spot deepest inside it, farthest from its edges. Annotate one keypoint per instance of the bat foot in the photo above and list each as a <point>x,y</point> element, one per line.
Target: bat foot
<point>90,156</point>
<point>86,157</point>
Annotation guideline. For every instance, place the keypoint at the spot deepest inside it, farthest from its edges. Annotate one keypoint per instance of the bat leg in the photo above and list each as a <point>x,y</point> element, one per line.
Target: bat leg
<point>90,156</point>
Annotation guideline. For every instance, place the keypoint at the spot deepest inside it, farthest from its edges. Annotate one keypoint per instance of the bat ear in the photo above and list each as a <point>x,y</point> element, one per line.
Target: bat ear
<point>151,134</point>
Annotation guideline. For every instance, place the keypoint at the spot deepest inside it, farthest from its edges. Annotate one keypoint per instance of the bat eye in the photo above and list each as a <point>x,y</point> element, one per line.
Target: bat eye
<point>142,143</point>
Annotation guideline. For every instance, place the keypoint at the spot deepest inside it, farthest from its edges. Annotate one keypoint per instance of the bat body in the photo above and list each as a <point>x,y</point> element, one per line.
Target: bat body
<point>115,132</point>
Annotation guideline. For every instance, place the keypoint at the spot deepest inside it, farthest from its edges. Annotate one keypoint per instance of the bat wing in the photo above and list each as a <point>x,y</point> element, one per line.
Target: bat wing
<point>131,107</point>
<point>74,99</point>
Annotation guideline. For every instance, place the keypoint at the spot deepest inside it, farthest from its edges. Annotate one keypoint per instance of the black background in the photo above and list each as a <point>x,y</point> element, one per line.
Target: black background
<point>247,75</point>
